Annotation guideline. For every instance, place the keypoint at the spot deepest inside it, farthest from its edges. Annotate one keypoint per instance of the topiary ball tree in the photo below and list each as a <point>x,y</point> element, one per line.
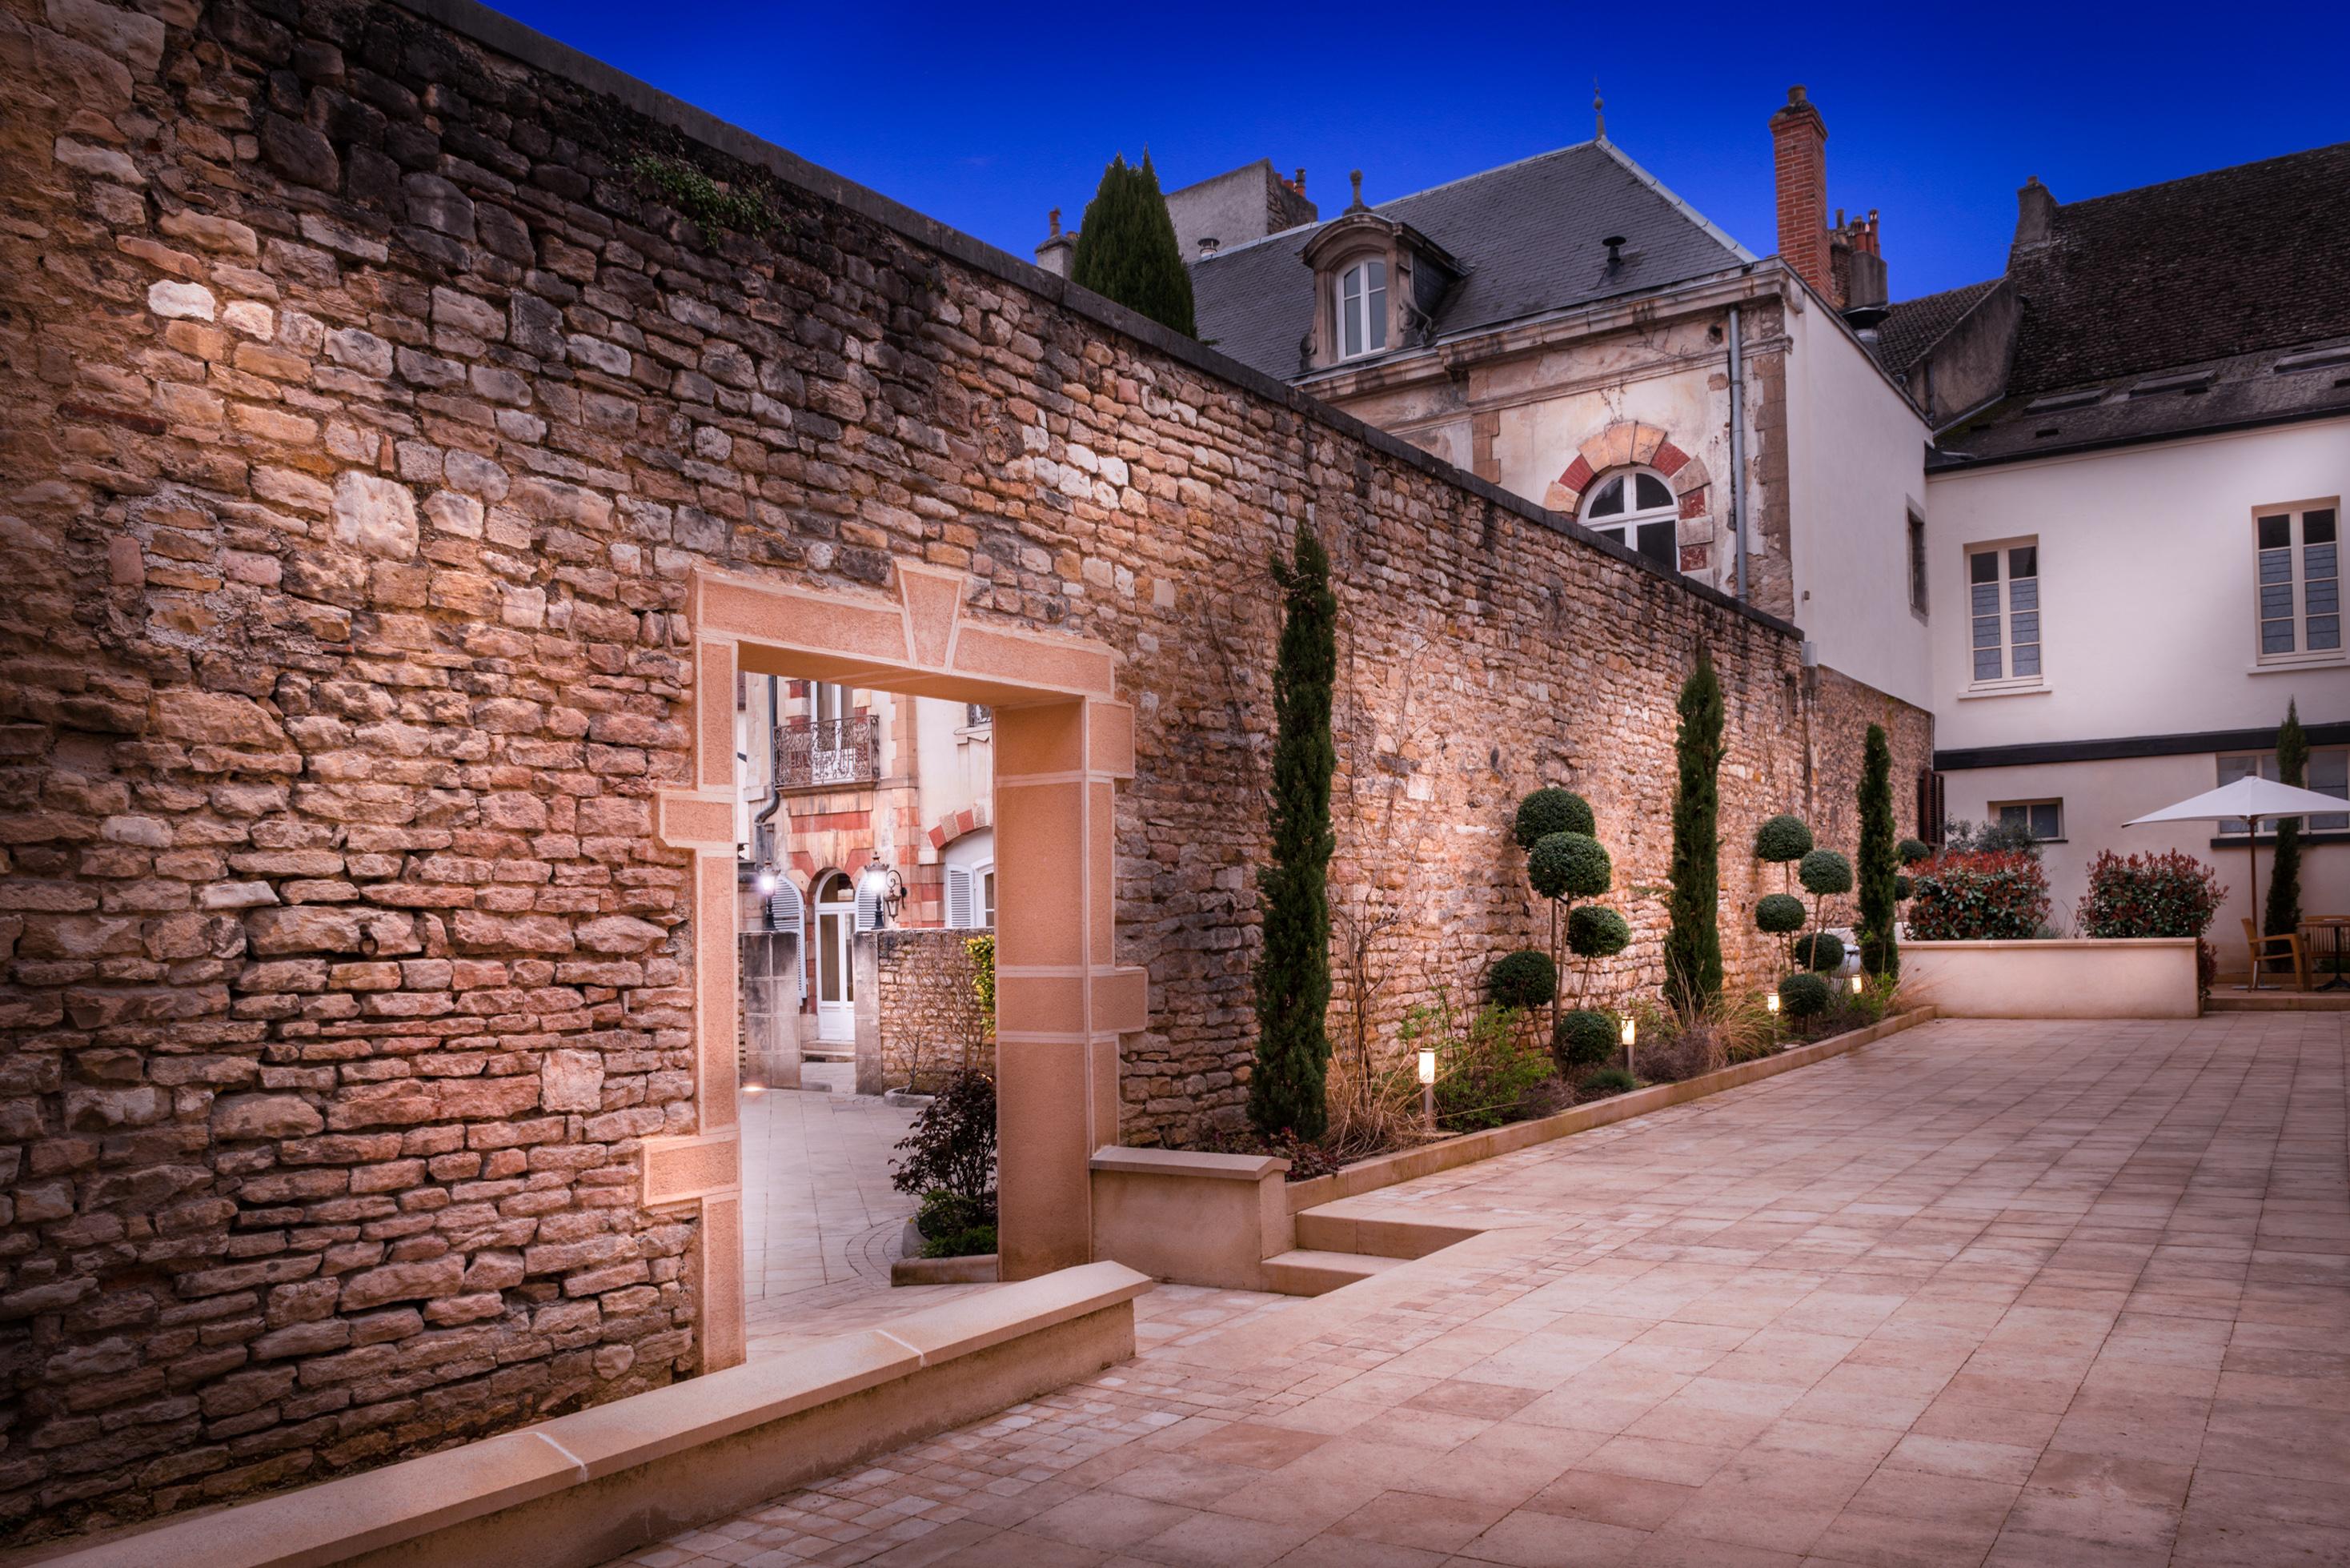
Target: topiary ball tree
<point>1569,866</point>
<point>1549,811</point>
<point>1583,1040</point>
<point>1783,838</point>
<point>1804,995</point>
<point>1780,914</point>
<point>1822,951</point>
<point>1525,979</point>
<point>1824,874</point>
<point>1913,850</point>
<point>1904,888</point>
<point>1595,932</point>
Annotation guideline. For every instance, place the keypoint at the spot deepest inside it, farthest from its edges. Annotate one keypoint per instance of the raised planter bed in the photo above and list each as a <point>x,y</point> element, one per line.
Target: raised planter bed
<point>2077,977</point>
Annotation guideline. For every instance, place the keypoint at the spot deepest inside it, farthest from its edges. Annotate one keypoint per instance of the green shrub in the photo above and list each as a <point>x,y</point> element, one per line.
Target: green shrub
<point>1594,930</point>
<point>1804,995</point>
<point>1783,838</point>
<point>1779,913</point>
<point>1824,873</point>
<point>1552,810</point>
<point>1879,901</point>
<point>1488,1078</point>
<point>1608,1081</point>
<point>1524,979</point>
<point>1692,933</point>
<point>1912,850</point>
<point>2154,895</point>
<point>1822,951</point>
<point>955,1226</point>
<point>1568,865</point>
<point>1904,888</point>
<point>1584,1039</point>
<point>1983,896</point>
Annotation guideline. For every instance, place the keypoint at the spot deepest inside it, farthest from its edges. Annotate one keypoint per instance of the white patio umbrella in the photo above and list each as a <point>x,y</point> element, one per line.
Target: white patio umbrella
<point>2250,799</point>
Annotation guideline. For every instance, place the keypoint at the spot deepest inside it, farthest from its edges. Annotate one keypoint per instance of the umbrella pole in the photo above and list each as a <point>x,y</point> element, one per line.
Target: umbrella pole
<point>2253,851</point>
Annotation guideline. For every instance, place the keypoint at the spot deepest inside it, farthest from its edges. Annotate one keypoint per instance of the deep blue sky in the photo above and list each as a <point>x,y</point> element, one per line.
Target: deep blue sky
<point>984,116</point>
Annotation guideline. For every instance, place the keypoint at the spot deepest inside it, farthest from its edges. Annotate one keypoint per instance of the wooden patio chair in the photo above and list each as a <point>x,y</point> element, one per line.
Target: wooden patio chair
<point>2268,949</point>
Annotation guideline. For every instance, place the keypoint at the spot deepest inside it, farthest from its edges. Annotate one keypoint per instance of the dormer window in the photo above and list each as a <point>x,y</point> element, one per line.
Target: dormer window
<point>1635,507</point>
<point>1363,308</point>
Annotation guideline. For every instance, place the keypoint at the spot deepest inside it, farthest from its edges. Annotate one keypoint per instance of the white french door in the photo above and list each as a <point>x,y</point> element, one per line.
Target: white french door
<point>835,978</point>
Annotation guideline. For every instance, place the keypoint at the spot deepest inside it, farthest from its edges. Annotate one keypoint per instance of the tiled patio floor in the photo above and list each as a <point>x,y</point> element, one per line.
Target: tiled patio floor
<point>1981,1292</point>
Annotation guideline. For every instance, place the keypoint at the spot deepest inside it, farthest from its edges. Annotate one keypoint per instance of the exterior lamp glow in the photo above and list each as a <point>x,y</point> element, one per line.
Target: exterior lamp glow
<point>1772,1001</point>
<point>767,880</point>
<point>1631,1026</point>
<point>1856,986</point>
<point>1428,1089</point>
<point>1426,1068</point>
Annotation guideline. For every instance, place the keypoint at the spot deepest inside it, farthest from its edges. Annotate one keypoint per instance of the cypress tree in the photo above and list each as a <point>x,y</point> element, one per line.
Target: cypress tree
<point>1881,866</point>
<point>2282,916</point>
<point>1127,249</point>
<point>1293,972</point>
<point>1693,941</point>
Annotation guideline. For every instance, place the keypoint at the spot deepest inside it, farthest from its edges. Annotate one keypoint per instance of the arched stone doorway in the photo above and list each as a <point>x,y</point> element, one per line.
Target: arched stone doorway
<point>1062,742</point>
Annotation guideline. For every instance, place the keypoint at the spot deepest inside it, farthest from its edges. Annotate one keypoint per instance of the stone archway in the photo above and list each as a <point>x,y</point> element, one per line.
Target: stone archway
<point>1062,740</point>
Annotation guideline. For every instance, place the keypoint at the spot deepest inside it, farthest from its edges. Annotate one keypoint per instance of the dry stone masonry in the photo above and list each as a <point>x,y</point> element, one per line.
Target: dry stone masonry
<point>364,408</point>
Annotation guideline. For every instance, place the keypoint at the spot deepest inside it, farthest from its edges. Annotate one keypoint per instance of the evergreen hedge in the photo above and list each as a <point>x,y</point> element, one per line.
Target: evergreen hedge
<point>1126,250</point>
<point>1880,867</point>
<point>1693,938</point>
<point>2281,916</point>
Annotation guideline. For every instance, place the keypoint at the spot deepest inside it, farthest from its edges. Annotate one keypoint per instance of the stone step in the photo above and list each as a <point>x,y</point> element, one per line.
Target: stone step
<point>2241,1001</point>
<point>1319,1230</point>
<point>1309,1273</point>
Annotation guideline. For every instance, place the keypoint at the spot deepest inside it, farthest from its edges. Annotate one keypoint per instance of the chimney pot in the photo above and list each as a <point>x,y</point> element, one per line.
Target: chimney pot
<point>1300,179</point>
<point>1054,218</point>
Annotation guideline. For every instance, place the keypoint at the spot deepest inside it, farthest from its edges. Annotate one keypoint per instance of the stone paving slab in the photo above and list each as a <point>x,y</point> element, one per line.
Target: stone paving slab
<point>1986,1293</point>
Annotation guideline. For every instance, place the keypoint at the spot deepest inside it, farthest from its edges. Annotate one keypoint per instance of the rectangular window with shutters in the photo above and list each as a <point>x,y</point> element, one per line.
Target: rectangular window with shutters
<point>2003,614</point>
<point>2328,774</point>
<point>2298,559</point>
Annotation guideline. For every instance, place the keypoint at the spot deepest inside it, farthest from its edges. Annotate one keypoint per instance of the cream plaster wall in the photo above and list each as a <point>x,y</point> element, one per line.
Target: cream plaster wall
<point>1856,461</point>
<point>2100,796</point>
<point>954,768</point>
<point>2146,580</point>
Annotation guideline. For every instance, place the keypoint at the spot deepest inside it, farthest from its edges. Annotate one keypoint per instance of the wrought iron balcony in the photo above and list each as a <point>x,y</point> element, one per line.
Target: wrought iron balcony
<point>827,752</point>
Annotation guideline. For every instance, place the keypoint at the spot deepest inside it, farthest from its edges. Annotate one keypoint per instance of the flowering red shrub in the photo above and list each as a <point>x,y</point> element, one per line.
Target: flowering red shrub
<point>1980,896</point>
<point>2168,895</point>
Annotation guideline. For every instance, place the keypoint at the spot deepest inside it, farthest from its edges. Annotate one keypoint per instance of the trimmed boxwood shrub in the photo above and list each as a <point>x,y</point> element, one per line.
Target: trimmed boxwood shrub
<point>1825,872</point>
<point>1549,811</point>
<point>1783,838</point>
<point>1594,930</point>
<point>1568,865</point>
<point>1526,978</point>
<point>1584,1039</point>
<point>1912,850</point>
<point>1822,950</point>
<point>1779,913</point>
<point>1904,888</point>
<point>1996,895</point>
<point>1804,995</point>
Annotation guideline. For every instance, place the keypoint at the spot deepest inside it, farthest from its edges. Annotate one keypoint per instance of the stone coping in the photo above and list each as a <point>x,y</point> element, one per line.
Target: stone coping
<point>1469,1148</point>
<point>2041,944</point>
<point>973,1269</point>
<point>497,31</point>
<point>401,1504</point>
<point>1187,1162</point>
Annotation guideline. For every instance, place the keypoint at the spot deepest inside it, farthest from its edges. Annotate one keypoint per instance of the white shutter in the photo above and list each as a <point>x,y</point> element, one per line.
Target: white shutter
<point>784,911</point>
<point>868,909</point>
<point>960,911</point>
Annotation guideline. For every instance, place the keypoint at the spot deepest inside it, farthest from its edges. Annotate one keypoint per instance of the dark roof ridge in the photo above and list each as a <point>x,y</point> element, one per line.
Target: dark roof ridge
<point>2226,169</point>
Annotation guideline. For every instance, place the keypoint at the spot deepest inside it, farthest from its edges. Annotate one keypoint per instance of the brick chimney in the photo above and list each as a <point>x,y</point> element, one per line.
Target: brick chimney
<point>1799,141</point>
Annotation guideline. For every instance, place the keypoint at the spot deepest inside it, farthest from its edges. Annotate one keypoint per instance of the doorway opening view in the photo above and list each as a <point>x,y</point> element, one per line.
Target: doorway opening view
<point>867,878</point>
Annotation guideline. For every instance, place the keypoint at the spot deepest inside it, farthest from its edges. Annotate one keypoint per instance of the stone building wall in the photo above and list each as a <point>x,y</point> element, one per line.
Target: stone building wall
<point>365,407</point>
<point>928,1016</point>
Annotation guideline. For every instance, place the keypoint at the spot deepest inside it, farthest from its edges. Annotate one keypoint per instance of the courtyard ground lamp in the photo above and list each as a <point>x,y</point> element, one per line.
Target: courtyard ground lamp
<point>1428,1086</point>
<point>1631,1027</point>
<point>2250,800</point>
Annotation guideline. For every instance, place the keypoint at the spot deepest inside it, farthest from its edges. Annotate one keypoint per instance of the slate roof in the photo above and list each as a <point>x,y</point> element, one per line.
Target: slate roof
<point>2252,257</point>
<point>1914,325</point>
<point>1528,233</point>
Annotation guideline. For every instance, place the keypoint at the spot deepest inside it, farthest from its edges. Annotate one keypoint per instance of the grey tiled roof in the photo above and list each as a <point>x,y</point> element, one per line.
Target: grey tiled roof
<point>1528,233</point>
<point>1914,325</point>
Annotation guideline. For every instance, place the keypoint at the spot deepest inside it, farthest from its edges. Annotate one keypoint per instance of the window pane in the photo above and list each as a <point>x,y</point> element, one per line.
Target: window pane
<point>1652,492</point>
<point>2027,660</point>
<point>2276,566</point>
<point>1353,318</point>
<point>2321,596</point>
<point>1986,663</point>
<point>1984,567</point>
<point>2237,767</point>
<point>2044,823</point>
<point>2023,594</point>
<point>1377,273</point>
<point>2317,527</point>
<point>1657,542</point>
<point>2277,532</point>
<point>1375,309</point>
<point>2024,561</point>
<point>2317,561</point>
<point>2014,816</point>
<point>2325,632</point>
<point>2024,627</point>
<point>1985,598</point>
<point>2276,637</point>
<point>1987,631</point>
<point>2276,599</point>
<point>1610,498</point>
<point>2329,773</point>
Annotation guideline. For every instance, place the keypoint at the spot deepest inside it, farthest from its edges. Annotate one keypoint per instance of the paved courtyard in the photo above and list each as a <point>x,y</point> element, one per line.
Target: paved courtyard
<point>1981,1292</point>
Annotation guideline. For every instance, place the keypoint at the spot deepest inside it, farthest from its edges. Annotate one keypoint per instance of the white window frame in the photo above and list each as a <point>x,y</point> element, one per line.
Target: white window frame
<point>2233,765</point>
<point>2006,612</point>
<point>1358,296</point>
<point>1913,539</point>
<point>2298,584</point>
<point>1999,808</point>
<point>1626,527</point>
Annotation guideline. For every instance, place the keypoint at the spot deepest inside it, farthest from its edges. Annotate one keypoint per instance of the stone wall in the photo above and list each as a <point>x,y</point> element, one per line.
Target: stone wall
<point>365,407</point>
<point>928,1016</point>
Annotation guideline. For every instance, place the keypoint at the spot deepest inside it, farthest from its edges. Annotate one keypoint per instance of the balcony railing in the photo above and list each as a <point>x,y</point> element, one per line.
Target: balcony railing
<point>828,751</point>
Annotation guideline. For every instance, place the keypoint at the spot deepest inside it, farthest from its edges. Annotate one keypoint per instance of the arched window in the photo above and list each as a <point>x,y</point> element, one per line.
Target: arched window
<point>1363,308</point>
<point>1634,507</point>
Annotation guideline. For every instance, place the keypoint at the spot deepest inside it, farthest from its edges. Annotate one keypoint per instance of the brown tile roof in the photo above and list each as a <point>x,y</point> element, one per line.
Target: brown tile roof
<point>1914,325</point>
